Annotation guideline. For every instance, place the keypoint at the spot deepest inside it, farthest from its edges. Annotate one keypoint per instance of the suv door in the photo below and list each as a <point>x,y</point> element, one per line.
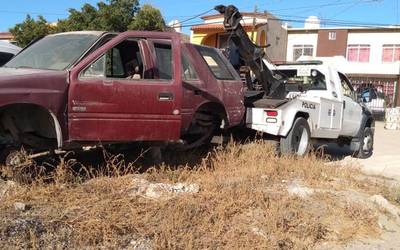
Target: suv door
<point>352,111</point>
<point>116,95</point>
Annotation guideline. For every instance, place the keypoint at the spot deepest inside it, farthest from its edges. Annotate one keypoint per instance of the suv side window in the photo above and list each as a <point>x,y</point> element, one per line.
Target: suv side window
<point>188,72</point>
<point>163,60</point>
<point>124,61</point>
<point>216,64</point>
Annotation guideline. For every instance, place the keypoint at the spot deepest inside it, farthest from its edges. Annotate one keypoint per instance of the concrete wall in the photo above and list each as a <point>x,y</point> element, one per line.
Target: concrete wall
<point>277,38</point>
<point>310,38</point>
<point>332,47</point>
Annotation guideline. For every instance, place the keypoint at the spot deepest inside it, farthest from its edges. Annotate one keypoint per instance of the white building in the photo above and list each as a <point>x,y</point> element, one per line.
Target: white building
<point>369,56</point>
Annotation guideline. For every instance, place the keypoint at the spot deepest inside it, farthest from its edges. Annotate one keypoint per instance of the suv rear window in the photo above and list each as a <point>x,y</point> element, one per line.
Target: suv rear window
<point>216,64</point>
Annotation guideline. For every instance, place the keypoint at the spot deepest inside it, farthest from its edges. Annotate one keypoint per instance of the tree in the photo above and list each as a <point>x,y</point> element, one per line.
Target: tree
<point>30,29</point>
<point>148,18</point>
<point>113,15</point>
<point>86,19</point>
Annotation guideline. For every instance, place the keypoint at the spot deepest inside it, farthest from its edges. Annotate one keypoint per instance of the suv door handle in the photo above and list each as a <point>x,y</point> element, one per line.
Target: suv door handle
<point>108,82</point>
<point>165,96</point>
<point>344,104</point>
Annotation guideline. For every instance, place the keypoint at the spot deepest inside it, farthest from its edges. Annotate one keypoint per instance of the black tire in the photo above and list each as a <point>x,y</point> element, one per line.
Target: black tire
<point>201,131</point>
<point>366,144</point>
<point>297,142</point>
<point>12,156</point>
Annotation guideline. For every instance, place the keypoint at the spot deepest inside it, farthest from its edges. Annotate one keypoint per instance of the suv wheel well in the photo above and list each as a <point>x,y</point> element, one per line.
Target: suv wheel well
<point>213,109</point>
<point>30,125</point>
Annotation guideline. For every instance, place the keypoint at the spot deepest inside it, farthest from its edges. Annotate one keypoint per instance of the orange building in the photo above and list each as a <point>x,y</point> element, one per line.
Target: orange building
<point>262,28</point>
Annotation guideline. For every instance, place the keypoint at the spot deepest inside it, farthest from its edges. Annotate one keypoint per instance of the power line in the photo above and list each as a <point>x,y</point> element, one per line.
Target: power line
<point>319,6</point>
<point>196,16</point>
<point>347,8</point>
<point>324,21</point>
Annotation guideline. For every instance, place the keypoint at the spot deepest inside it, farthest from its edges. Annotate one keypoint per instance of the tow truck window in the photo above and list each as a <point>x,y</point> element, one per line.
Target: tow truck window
<point>347,89</point>
<point>124,61</point>
<point>295,81</point>
<point>215,63</point>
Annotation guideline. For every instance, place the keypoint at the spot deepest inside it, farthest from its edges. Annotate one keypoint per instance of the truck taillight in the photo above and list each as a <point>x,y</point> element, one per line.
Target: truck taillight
<point>272,113</point>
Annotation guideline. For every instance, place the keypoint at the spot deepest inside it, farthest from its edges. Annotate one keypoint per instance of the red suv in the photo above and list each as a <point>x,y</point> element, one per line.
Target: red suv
<point>77,88</point>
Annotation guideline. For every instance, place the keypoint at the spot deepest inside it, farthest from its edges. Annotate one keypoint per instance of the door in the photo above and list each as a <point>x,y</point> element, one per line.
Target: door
<point>352,111</point>
<point>193,90</point>
<point>330,114</point>
<point>128,90</point>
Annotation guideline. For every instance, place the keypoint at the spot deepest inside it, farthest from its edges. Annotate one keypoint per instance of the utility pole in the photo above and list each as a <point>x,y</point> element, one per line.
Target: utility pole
<point>254,23</point>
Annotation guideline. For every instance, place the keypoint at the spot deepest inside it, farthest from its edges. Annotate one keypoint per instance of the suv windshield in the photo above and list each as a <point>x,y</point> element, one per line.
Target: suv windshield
<point>55,52</point>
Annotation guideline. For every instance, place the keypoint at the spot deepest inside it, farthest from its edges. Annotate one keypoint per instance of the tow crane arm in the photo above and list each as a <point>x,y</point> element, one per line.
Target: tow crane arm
<point>251,54</point>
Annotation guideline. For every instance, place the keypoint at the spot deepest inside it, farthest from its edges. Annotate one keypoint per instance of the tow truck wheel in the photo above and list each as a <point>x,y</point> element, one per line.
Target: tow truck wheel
<point>366,144</point>
<point>297,142</point>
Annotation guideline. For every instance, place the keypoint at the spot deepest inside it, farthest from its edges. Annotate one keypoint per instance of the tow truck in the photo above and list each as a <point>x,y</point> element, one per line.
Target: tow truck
<point>302,103</point>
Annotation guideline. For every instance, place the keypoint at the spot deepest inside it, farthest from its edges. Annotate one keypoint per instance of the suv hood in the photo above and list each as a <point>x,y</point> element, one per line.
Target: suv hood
<point>19,78</point>
<point>47,88</point>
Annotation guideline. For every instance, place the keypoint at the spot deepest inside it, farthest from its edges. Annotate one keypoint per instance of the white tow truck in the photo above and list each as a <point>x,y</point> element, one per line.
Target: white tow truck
<point>321,106</point>
<point>299,103</point>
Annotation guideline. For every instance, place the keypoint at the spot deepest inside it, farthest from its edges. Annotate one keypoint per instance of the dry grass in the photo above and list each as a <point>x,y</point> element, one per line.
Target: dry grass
<point>243,203</point>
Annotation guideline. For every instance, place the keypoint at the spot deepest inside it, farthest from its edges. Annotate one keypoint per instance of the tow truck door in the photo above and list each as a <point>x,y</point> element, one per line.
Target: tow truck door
<point>352,111</point>
<point>117,93</point>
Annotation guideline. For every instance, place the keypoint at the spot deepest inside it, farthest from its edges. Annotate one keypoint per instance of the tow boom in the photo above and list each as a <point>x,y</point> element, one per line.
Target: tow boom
<point>250,53</point>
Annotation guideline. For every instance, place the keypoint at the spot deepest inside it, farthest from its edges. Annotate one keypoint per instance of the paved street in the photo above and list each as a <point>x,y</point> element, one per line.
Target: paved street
<point>386,158</point>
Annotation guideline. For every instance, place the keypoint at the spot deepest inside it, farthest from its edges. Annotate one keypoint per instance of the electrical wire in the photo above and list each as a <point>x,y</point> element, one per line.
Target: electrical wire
<point>318,6</point>
<point>196,16</point>
<point>323,21</point>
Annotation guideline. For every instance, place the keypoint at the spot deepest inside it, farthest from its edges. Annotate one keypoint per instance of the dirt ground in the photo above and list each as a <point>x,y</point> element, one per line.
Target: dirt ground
<point>385,162</point>
<point>234,197</point>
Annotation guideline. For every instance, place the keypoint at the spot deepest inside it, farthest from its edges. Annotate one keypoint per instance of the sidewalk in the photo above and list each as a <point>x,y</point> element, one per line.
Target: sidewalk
<point>386,158</point>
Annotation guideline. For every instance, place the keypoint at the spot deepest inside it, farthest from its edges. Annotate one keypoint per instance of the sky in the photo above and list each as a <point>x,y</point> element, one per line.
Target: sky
<point>361,11</point>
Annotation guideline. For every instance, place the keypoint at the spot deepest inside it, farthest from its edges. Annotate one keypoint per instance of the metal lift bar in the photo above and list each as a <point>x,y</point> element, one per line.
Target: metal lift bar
<point>251,54</point>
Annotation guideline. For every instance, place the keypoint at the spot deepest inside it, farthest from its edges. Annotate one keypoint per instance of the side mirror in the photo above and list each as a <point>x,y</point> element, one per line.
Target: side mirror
<point>360,98</point>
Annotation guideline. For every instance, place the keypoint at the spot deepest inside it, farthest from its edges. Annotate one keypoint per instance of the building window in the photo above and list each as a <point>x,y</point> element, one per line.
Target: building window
<point>302,50</point>
<point>391,53</point>
<point>332,35</point>
<point>358,53</point>
<point>223,42</point>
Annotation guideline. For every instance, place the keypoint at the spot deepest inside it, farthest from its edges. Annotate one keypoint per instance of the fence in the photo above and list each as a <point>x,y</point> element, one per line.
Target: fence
<point>377,93</point>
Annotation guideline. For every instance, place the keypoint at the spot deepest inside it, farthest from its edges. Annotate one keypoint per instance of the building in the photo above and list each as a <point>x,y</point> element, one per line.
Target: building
<point>369,56</point>
<point>262,28</point>
<point>6,37</point>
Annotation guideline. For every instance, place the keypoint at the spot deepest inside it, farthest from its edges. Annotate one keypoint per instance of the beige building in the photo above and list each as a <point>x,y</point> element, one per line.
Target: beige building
<point>6,37</point>
<point>262,28</point>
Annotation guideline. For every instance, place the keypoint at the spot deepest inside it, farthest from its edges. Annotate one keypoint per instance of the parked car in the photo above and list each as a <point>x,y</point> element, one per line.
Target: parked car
<point>375,101</point>
<point>79,88</point>
<point>7,51</point>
